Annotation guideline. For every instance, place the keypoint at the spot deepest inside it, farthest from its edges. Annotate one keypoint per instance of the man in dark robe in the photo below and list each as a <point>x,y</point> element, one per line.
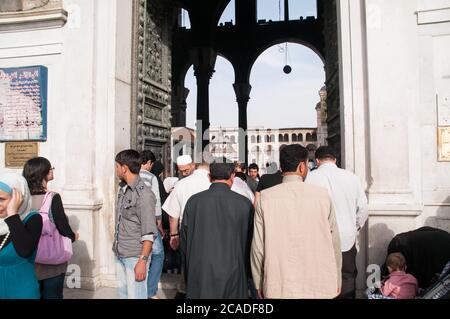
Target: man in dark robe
<point>216,238</point>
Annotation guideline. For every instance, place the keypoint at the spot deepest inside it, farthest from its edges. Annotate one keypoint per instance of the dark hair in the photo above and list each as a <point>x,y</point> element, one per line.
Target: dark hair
<point>157,168</point>
<point>253,166</point>
<point>35,171</point>
<point>291,156</point>
<point>396,261</point>
<point>325,152</point>
<point>221,169</point>
<point>131,159</point>
<point>147,156</point>
<point>241,166</point>
<point>241,176</point>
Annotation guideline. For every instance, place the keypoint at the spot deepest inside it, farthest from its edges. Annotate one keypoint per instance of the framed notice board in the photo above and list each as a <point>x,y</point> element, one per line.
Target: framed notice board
<point>23,104</point>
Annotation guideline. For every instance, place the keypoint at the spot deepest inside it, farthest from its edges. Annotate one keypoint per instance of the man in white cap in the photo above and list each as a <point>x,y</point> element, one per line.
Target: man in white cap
<point>174,205</point>
<point>185,166</point>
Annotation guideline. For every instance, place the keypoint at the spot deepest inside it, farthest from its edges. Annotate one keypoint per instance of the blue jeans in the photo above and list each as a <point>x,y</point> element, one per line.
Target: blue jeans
<point>127,285</point>
<point>52,288</point>
<point>156,267</point>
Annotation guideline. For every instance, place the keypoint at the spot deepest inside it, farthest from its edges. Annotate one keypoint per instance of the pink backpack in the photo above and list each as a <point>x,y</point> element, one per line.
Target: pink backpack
<point>53,248</point>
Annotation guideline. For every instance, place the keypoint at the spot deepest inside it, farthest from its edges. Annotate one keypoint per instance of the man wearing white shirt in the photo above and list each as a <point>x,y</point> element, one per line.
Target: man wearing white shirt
<point>240,186</point>
<point>350,203</point>
<point>175,203</point>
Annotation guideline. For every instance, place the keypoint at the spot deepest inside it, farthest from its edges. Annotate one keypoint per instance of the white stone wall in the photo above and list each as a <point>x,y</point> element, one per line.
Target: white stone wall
<point>89,94</point>
<point>391,68</point>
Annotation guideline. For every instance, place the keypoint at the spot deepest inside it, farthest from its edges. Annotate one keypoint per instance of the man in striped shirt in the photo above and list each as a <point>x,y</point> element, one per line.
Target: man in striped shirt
<point>157,258</point>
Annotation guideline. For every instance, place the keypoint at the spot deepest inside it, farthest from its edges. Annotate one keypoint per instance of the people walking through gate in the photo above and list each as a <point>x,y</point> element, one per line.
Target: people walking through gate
<point>176,202</point>
<point>296,249</point>
<point>215,238</point>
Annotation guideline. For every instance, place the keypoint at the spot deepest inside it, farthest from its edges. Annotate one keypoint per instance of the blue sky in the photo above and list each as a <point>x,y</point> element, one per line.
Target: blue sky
<point>277,100</point>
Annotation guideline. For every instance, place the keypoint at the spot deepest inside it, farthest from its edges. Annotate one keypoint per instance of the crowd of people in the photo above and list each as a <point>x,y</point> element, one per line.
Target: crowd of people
<point>290,234</point>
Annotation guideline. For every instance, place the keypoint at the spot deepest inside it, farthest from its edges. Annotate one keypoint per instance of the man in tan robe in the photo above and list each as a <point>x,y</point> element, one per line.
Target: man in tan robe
<point>296,248</point>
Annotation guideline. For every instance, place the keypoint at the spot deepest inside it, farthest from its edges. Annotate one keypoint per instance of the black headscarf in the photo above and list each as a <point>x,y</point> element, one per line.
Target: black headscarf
<point>157,168</point>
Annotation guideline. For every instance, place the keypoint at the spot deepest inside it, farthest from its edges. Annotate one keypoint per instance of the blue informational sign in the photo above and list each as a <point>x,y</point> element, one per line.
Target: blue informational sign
<point>23,104</point>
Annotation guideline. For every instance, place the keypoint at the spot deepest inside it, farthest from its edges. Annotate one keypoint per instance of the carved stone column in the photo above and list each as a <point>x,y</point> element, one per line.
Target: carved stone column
<point>204,60</point>
<point>242,91</point>
<point>179,107</point>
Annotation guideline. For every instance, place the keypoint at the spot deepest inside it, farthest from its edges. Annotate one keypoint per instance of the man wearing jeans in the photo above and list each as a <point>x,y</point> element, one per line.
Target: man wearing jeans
<point>135,228</point>
<point>157,257</point>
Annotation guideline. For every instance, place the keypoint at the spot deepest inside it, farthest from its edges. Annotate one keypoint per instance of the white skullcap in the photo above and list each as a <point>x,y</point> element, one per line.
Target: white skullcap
<point>184,160</point>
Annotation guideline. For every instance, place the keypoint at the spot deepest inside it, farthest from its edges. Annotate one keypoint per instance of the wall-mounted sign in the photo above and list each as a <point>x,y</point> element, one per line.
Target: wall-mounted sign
<point>17,153</point>
<point>444,144</point>
<point>444,110</point>
<point>23,104</point>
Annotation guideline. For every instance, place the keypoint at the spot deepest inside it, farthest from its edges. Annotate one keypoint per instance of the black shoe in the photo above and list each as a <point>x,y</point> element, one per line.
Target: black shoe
<point>180,295</point>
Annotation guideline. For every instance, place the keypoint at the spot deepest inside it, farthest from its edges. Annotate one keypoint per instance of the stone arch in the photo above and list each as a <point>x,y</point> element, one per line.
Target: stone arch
<point>274,42</point>
<point>280,138</point>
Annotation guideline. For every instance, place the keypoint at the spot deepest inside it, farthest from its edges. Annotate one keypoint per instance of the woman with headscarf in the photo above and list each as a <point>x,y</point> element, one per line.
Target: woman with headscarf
<point>20,231</point>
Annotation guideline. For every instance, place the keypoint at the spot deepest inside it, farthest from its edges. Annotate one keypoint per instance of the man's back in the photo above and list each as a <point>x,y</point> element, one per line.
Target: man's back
<point>348,198</point>
<point>301,254</point>
<point>241,187</point>
<point>184,189</point>
<point>216,235</point>
<point>269,180</point>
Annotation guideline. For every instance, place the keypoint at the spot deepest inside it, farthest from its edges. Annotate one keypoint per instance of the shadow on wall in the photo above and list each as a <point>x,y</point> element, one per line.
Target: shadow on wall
<point>80,266</point>
<point>442,218</point>
<point>379,238</point>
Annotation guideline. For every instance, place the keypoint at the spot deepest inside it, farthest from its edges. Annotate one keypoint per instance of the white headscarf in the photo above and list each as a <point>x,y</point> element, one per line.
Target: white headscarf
<point>19,182</point>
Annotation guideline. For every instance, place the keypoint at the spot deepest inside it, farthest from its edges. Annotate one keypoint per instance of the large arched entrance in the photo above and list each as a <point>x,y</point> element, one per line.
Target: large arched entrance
<point>241,42</point>
<point>284,103</point>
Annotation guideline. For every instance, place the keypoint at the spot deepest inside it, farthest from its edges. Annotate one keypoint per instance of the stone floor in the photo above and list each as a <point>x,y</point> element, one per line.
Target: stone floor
<point>167,290</point>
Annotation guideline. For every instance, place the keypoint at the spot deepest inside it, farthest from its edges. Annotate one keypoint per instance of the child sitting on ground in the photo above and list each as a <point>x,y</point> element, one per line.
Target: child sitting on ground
<point>399,284</point>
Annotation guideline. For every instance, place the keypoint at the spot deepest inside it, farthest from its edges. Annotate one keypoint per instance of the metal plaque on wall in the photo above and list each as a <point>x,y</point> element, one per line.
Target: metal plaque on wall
<point>444,144</point>
<point>17,153</point>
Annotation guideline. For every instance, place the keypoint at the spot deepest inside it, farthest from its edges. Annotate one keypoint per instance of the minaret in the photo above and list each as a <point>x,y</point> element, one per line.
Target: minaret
<point>321,108</point>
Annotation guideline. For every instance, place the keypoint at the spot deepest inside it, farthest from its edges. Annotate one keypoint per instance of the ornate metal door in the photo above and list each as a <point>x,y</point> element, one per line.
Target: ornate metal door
<point>151,116</point>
